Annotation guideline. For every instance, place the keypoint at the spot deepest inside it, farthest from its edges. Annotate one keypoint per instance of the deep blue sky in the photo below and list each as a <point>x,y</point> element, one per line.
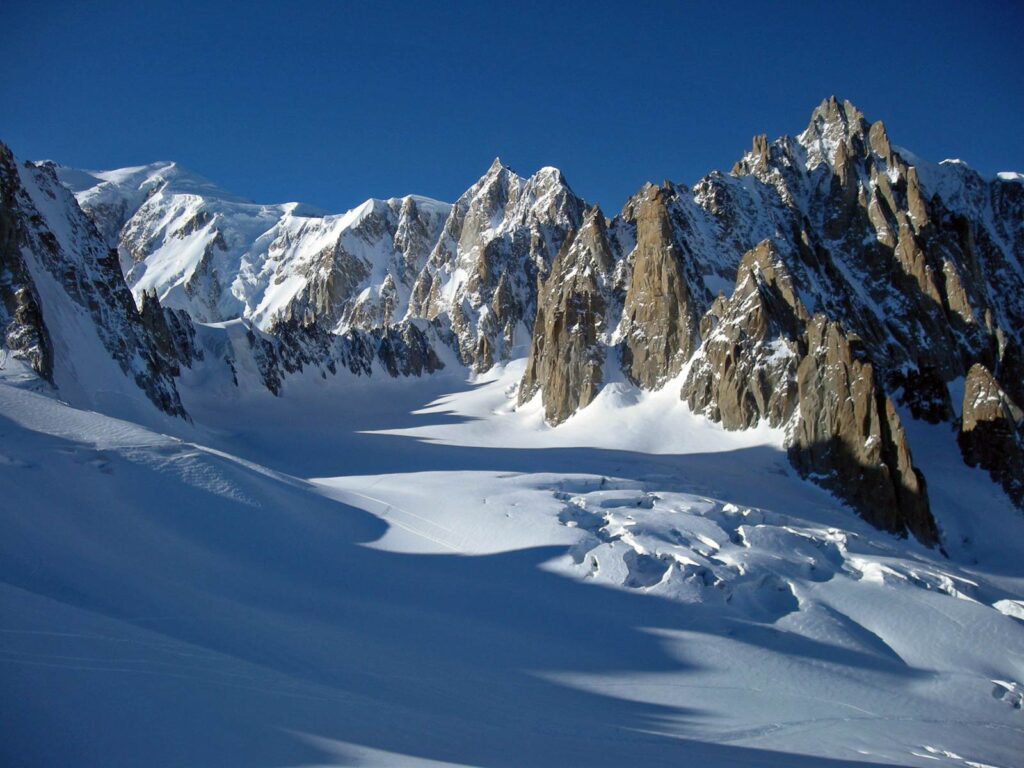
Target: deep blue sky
<point>332,102</point>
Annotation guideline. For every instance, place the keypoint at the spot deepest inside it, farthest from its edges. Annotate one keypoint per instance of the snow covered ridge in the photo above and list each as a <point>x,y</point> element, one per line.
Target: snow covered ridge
<point>64,305</point>
<point>222,257</point>
<point>879,283</point>
<point>67,311</point>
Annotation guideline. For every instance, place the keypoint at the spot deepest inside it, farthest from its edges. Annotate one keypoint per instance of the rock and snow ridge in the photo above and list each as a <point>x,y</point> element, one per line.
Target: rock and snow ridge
<point>906,274</point>
<point>221,257</point>
<point>64,306</point>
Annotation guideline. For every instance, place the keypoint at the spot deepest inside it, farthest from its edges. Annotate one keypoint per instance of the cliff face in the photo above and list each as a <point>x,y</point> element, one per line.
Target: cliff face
<point>746,368</point>
<point>849,439</point>
<point>24,332</point>
<point>574,309</point>
<point>64,305</point>
<point>991,434</point>
<point>659,319</point>
<point>763,357</point>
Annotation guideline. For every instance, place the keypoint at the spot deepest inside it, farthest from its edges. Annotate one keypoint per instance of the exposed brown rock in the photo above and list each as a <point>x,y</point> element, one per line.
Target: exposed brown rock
<point>991,432</point>
<point>878,140</point>
<point>849,438</point>
<point>763,357</point>
<point>566,359</point>
<point>746,369</point>
<point>660,316</point>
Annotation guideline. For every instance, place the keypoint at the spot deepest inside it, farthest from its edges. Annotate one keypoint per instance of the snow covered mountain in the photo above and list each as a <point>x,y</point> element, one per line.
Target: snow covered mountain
<point>64,305</point>
<point>860,284</point>
<point>860,281</point>
<point>498,467</point>
<point>911,271</point>
<point>482,274</point>
<point>220,257</point>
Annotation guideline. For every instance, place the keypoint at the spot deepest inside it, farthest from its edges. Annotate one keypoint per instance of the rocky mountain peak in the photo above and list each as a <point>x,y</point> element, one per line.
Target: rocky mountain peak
<point>482,274</point>
<point>575,309</point>
<point>660,315</point>
<point>833,113</point>
<point>745,369</point>
<point>763,278</point>
<point>837,130</point>
<point>878,141</point>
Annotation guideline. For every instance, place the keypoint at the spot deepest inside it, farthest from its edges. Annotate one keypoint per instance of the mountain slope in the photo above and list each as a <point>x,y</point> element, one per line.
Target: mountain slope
<point>917,277</point>
<point>511,482</point>
<point>66,309</point>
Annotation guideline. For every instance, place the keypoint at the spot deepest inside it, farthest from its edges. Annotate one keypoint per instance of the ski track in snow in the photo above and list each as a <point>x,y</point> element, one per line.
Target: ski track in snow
<point>415,573</point>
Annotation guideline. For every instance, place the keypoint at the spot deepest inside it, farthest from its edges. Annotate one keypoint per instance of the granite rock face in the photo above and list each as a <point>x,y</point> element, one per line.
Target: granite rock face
<point>909,272</point>
<point>764,358</point>
<point>991,432</point>
<point>574,309</point>
<point>746,369</point>
<point>849,439</point>
<point>660,315</point>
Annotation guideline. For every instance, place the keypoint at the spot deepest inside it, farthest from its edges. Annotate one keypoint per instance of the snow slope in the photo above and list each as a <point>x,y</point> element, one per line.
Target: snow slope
<point>435,598</point>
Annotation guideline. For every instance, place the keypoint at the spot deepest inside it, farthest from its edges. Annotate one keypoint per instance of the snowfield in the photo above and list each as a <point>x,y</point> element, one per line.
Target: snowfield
<point>385,572</point>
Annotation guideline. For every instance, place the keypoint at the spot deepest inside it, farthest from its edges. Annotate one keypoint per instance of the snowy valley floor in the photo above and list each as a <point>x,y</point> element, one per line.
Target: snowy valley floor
<point>412,573</point>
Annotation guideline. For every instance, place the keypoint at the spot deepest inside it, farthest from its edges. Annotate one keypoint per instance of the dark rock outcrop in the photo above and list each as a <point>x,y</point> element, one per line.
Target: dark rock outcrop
<point>848,437</point>
<point>764,358</point>
<point>991,432</point>
<point>172,332</point>
<point>405,349</point>
<point>21,320</point>
<point>48,240</point>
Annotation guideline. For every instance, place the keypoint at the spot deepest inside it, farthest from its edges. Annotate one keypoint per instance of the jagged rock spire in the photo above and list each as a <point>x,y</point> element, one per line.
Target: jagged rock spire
<point>566,359</point>
<point>660,316</point>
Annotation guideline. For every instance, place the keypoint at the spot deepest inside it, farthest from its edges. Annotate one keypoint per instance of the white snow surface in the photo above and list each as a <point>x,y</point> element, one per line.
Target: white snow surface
<point>388,572</point>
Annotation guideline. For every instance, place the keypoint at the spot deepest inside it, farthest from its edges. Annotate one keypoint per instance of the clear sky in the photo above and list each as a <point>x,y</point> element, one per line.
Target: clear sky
<point>333,102</point>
